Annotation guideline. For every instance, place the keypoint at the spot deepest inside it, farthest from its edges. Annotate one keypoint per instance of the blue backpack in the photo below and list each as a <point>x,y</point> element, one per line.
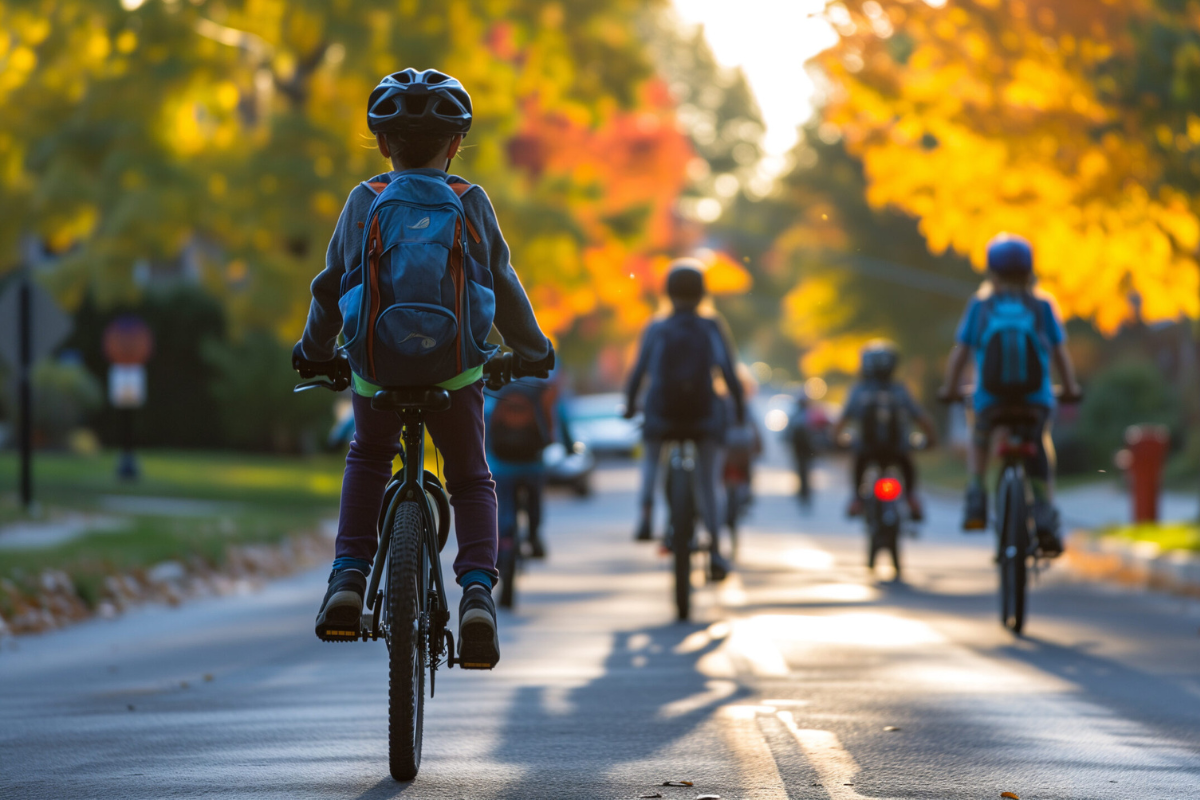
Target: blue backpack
<point>1014,352</point>
<point>418,309</point>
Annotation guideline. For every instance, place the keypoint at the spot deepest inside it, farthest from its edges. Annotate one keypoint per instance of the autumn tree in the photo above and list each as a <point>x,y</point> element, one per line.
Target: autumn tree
<point>227,134</point>
<point>1068,122</point>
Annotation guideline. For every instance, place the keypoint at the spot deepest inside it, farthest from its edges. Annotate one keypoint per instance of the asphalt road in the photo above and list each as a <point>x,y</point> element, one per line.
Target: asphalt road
<point>803,677</point>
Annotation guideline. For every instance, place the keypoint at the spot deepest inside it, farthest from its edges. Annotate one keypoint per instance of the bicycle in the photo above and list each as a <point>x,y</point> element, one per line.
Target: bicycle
<point>406,603</point>
<point>681,521</point>
<point>510,556</point>
<point>1017,551</point>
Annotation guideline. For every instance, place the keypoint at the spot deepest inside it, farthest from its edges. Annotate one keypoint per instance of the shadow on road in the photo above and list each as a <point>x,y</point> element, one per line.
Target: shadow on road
<point>650,695</point>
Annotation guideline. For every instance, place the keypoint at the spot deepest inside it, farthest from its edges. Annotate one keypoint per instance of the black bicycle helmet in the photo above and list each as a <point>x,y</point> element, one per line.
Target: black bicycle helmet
<point>880,357</point>
<point>1009,255</point>
<point>685,281</point>
<point>425,101</point>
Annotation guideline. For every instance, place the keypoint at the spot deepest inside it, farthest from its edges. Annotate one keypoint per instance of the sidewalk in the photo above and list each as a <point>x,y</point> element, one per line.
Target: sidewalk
<point>1089,509</point>
<point>1104,504</point>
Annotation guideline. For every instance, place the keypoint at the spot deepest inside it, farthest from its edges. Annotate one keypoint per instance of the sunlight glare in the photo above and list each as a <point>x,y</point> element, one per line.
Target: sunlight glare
<point>770,40</point>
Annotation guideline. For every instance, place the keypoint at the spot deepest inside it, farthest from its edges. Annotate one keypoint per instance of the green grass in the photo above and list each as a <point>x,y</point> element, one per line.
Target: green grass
<point>262,500</point>
<point>1168,536</point>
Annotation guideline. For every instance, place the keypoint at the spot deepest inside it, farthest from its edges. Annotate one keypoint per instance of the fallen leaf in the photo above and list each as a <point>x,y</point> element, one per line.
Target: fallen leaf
<point>891,728</point>
<point>1010,795</point>
<point>678,783</point>
<point>207,677</point>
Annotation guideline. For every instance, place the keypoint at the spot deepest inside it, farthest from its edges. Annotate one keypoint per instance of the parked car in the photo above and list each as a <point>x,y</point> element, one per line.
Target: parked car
<point>572,468</point>
<point>597,421</point>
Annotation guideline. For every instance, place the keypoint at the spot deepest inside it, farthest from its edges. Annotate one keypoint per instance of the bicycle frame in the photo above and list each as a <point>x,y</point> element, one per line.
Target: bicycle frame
<point>412,488</point>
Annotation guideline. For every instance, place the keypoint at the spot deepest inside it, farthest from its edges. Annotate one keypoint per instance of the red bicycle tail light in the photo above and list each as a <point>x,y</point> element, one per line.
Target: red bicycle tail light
<point>888,489</point>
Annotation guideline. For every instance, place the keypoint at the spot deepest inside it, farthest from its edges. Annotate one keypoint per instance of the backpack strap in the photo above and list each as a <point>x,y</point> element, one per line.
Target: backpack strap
<point>460,189</point>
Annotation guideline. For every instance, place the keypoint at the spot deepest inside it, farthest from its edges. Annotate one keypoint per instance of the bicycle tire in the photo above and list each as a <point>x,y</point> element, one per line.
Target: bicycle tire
<point>683,522</point>
<point>408,566</point>
<point>893,544</point>
<point>507,562</point>
<point>1013,556</point>
<point>733,514</point>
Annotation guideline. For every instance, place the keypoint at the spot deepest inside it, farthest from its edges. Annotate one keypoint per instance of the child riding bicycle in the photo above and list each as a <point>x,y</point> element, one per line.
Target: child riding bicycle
<point>679,353</point>
<point>882,409</point>
<point>1015,335</point>
<point>429,314</point>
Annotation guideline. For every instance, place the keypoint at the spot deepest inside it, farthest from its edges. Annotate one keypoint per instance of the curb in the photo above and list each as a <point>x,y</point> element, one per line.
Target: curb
<point>1135,564</point>
<point>57,602</point>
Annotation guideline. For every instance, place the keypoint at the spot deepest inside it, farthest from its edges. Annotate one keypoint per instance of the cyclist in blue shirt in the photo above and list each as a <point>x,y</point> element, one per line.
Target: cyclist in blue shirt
<point>1015,334</point>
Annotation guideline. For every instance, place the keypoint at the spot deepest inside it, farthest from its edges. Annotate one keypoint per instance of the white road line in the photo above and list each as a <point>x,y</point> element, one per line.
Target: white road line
<point>753,758</point>
<point>833,764</point>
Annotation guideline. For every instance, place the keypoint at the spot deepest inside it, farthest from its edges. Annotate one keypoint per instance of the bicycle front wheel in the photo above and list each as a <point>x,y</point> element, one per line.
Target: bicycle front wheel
<point>733,508</point>
<point>683,526</point>
<point>408,566</point>
<point>1014,549</point>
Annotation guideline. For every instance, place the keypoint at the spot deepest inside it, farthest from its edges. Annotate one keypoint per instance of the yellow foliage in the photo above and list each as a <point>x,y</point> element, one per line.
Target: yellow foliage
<point>990,126</point>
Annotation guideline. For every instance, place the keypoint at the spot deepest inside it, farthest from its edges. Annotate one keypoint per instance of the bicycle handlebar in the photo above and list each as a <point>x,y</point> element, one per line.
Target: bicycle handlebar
<point>506,368</point>
<point>1060,394</point>
<point>337,370</point>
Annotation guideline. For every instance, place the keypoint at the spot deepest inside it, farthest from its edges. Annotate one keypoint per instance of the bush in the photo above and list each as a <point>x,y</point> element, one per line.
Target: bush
<point>63,393</point>
<point>1127,393</point>
<point>253,390</point>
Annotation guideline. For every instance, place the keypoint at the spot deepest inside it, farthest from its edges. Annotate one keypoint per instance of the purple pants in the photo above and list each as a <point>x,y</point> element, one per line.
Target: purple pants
<point>458,434</point>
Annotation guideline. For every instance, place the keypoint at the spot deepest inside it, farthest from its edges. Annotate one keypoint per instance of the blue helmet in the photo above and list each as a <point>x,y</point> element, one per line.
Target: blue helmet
<point>419,102</point>
<point>1008,254</point>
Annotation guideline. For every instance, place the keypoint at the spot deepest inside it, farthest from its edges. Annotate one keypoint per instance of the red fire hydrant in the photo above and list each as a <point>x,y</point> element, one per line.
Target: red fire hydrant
<point>1142,460</point>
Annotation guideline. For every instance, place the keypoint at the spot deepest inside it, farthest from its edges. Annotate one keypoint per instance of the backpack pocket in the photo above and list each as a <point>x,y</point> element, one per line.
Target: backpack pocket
<point>350,305</point>
<point>481,301</point>
<point>415,345</point>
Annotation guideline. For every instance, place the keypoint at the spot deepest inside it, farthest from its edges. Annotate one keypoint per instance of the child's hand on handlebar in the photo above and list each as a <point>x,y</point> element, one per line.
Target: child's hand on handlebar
<point>337,369</point>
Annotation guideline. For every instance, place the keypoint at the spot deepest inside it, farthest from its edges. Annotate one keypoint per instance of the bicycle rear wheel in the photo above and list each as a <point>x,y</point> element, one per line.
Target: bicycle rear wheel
<point>733,513</point>
<point>1014,549</point>
<point>683,527</point>
<point>507,563</point>
<point>407,593</point>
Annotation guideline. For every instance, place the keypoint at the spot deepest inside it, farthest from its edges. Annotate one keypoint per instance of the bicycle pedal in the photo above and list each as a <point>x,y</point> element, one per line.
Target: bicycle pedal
<point>330,635</point>
<point>474,665</point>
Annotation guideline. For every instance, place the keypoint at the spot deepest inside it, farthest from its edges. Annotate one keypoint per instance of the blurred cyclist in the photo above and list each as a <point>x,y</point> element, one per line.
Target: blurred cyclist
<point>679,353</point>
<point>799,436</point>
<point>1015,334</point>
<point>743,444</point>
<point>520,422</point>
<point>882,410</point>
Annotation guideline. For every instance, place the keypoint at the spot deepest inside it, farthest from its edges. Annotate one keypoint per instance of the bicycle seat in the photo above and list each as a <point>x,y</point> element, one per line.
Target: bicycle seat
<point>411,398</point>
<point>1017,416</point>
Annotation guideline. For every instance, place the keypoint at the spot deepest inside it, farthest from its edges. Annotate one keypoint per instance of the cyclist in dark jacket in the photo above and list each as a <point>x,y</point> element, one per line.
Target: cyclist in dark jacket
<point>679,354</point>
<point>883,410</point>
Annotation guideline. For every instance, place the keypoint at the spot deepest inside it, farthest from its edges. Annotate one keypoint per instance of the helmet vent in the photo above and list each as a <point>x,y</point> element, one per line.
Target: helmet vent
<point>415,104</point>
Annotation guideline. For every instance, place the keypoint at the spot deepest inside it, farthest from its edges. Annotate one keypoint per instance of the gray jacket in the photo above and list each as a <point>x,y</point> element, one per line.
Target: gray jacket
<point>514,314</point>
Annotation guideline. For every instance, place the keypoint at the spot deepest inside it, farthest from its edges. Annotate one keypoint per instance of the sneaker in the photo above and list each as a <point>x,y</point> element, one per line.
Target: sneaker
<point>1046,522</point>
<point>643,532</point>
<point>340,617</point>
<point>537,549</point>
<point>718,567</point>
<point>915,509</point>
<point>856,507</point>
<point>975,518</point>
<point>478,642</point>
